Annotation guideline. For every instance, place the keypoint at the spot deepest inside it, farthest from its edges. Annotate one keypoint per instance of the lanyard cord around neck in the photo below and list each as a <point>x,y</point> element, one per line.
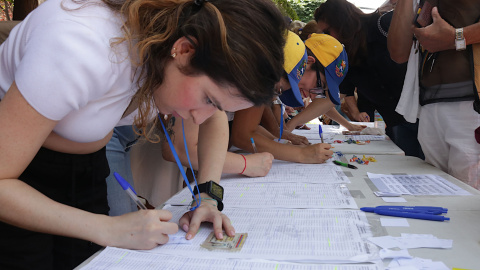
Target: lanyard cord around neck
<point>281,122</point>
<point>179,164</point>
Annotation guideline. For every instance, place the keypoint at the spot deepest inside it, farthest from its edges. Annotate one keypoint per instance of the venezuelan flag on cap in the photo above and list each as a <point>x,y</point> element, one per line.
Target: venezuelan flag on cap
<point>295,65</point>
<point>331,54</point>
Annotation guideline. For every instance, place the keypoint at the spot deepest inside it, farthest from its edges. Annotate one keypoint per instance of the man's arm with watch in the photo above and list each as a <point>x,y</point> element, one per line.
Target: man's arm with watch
<point>441,36</point>
<point>212,149</point>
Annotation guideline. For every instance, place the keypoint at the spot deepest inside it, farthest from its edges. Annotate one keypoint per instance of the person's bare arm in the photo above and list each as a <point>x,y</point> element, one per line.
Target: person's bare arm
<point>358,116</point>
<point>244,128</point>
<point>318,107</point>
<point>337,117</point>
<point>440,35</point>
<point>23,132</point>
<point>400,33</point>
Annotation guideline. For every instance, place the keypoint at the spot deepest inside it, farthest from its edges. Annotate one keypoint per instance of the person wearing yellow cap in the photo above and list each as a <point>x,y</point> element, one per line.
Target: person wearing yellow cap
<point>326,69</point>
<point>246,122</point>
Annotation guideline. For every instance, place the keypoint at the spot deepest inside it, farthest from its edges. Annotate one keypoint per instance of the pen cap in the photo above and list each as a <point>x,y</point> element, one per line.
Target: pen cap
<point>251,140</point>
<point>125,185</point>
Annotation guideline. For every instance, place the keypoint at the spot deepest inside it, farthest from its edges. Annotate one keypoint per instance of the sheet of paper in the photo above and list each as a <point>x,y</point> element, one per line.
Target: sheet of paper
<point>366,137</point>
<point>394,222</point>
<point>411,241</point>
<point>288,172</point>
<point>394,199</point>
<point>416,263</point>
<point>426,184</point>
<point>278,195</point>
<point>124,259</point>
<point>295,235</point>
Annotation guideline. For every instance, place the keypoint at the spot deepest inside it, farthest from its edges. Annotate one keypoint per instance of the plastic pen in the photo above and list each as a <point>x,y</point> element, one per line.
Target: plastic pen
<point>129,189</point>
<point>320,132</point>
<point>253,145</point>
<point>344,164</point>
<point>409,208</point>
<point>423,216</point>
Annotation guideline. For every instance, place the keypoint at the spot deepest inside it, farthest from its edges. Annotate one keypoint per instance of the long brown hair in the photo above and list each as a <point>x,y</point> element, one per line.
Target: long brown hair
<point>237,43</point>
<point>349,23</point>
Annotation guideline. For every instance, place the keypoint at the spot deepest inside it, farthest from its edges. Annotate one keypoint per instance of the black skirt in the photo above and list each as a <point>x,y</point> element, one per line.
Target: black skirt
<point>74,180</point>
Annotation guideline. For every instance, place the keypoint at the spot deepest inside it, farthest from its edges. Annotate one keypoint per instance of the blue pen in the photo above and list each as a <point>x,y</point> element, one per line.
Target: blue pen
<point>129,189</point>
<point>406,208</point>
<point>253,145</point>
<point>411,215</point>
<point>424,211</point>
<point>320,132</point>
<point>398,207</point>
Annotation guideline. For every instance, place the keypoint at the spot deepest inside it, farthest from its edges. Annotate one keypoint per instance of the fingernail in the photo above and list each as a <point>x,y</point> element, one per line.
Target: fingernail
<point>185,227</point>
<point>189,236</point>
<point>232,232</point>
<point>220,236</point>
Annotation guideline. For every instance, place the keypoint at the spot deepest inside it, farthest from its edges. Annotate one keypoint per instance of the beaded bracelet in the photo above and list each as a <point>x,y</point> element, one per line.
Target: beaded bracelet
<point>245,163</point>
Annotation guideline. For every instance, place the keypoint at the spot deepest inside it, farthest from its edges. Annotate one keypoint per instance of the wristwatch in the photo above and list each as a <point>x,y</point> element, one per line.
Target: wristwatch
<point>460,43</point>
<point>213,190</point>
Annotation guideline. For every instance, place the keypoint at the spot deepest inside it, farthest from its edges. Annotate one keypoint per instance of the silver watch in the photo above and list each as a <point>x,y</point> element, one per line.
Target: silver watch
<point>460,43</point>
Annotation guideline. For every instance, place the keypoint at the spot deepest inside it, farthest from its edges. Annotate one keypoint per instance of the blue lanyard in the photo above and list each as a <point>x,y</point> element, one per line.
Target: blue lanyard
<point>179,164</point>
<point>281,122</point>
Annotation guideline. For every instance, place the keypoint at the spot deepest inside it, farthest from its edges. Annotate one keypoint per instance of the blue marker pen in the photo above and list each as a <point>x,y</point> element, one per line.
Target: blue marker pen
<point>410,210</point>
<point>129,189</point>
<point>411,215</point>
<point>416,208</point>
<point>320,132</point>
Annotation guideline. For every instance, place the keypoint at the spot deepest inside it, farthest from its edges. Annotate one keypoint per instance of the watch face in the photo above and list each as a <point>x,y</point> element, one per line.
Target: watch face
<point>460,44</point>
<point>216,190</point>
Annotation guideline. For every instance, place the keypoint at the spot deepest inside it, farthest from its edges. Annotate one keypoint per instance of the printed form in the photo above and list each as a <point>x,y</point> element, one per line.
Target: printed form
<point>124,259</point>
<point>278,195</point>
<point>293,235</point>
<point>426,184</point>
<point>288,172</point>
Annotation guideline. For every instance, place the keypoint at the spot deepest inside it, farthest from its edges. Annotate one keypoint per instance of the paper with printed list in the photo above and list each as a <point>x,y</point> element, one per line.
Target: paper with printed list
<point>288,172</point>
<point>278,195</point>
<point>426,184</point>
<point>294,235</point>
<point>124,259</point>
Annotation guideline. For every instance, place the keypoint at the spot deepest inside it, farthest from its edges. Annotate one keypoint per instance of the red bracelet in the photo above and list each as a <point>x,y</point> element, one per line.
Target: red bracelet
<point>245,163</point>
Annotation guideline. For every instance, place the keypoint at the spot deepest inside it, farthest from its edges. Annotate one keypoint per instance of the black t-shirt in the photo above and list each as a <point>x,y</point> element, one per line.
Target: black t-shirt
<point>378,79</point>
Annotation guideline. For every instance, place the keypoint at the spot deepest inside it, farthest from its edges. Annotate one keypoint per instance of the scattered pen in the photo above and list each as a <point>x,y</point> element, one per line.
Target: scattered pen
<point>320,132</point>
<point>424,209</point>
<point>253,145</point>
<point>344,164</point>
<point>423,216</point>
<point>129,189</point>
<point>409,210</point>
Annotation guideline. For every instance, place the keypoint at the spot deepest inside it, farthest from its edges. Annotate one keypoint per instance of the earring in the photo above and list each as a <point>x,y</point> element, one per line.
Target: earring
<point>174,54</point>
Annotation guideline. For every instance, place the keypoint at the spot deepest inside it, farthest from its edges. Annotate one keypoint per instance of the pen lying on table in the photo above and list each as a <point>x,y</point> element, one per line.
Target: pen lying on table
<point>417,212</point>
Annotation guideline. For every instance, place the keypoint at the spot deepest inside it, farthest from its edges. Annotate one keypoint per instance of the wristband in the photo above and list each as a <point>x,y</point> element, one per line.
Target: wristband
<point>245,163</point>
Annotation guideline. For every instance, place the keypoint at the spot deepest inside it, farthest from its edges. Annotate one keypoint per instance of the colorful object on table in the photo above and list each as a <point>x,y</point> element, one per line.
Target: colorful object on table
<point>352,141</point>
<point>417,212</point>
<point>363,160</point>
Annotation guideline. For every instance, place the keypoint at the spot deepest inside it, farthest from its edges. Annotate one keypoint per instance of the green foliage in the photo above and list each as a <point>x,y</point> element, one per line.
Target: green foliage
<point>286,8</point>
<point>305,8</point>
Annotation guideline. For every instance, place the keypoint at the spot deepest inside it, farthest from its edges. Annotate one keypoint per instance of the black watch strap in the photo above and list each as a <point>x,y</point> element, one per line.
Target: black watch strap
<point>204,188</point>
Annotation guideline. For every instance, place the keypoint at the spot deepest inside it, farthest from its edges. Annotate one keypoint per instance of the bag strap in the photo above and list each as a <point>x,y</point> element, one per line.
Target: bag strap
<point>476,103</point>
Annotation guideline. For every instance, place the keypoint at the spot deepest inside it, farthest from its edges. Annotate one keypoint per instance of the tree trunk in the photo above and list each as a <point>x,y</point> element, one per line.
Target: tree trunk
<point>21,8</point>
<point>7,10</point>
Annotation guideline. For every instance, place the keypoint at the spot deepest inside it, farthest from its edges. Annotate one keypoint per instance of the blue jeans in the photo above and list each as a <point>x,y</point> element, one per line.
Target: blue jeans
<point>118,155</point>
<point>405,135</point>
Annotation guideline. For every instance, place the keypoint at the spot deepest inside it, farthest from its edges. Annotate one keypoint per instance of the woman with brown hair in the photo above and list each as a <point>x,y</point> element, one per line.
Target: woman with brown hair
<point>73,69</point>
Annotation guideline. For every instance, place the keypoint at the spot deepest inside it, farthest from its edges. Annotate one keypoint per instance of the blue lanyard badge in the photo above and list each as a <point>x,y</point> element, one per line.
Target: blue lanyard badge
<point>281,122</point>
<point>179,164</point>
